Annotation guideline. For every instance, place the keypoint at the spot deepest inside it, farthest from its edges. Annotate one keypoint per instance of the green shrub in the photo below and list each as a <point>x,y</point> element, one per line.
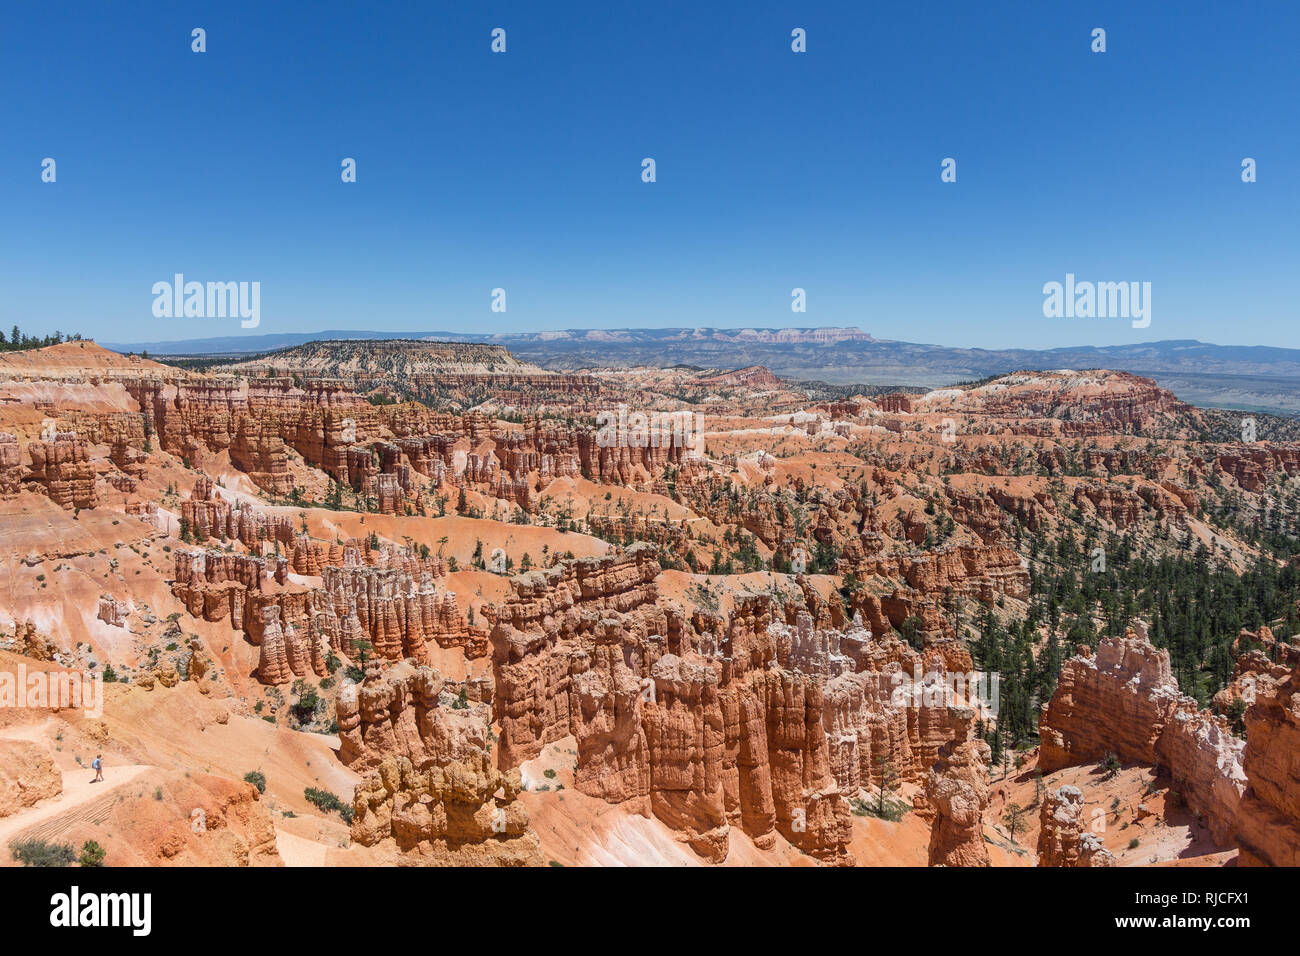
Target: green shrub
<point>305,710</point>
<point>327,802</point>
<point>92,854</point>
<point>257,779</point>
<point>40,853</point>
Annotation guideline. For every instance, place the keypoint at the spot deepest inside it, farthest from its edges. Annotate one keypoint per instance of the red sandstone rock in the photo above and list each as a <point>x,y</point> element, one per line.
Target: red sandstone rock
<point>430,784</point>
<point>64,470</point>
<point>11,466</point>
<point>111,612</point>
<point>1126,702</point>
<point>1268,827</point>
<point>958,793</point>
<point>27,774</point>
<point>752,721</point>
<point>1063,837</point>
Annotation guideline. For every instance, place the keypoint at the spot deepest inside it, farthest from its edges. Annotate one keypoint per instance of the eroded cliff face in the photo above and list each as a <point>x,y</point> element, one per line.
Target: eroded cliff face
<point>1253,466</point>
<point>208,515</point>
<point>1119,700</point>
<point>763,716</point>
<point>1125,701</point>
<point>430,784</point>
<point>1060,402</point>
<point>890,707</point>
<point>1268,828</point>
<point>376,450</point>
<point>64,470</point>
<point>395,605</point>
<point>11,465</point>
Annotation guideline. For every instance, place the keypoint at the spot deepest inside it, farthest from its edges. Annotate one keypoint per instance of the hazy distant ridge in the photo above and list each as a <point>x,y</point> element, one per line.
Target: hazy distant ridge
<point>1261,377</point>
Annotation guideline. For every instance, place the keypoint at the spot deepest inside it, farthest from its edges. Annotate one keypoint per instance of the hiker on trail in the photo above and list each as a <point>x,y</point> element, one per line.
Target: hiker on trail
<point>98,764</point>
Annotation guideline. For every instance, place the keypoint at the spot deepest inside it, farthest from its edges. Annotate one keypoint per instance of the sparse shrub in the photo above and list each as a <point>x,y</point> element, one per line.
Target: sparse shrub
<point>1110,763</point>
<point>40,853</point>
<point>328,802</point>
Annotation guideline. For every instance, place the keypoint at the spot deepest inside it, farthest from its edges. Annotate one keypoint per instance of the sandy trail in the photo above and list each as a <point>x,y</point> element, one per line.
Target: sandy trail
<point>80,801</point>
<point>298,851</point>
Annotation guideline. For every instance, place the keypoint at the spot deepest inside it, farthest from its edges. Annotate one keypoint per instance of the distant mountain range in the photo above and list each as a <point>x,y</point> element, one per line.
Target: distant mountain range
<point>1259,378</point>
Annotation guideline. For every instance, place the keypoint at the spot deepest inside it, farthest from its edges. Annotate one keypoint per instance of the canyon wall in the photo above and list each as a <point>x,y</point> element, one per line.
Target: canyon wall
<point>1125,701</point>
<point>394,607</point>
<point>760,717</point>
<point>1268,829</point>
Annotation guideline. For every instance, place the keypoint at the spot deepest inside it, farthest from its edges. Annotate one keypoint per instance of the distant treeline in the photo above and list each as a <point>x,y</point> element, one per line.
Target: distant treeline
<point>825,391</point>
<point>17,342</point>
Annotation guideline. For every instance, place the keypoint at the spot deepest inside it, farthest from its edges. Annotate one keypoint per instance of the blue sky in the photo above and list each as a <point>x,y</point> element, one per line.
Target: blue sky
<point>775,169</point>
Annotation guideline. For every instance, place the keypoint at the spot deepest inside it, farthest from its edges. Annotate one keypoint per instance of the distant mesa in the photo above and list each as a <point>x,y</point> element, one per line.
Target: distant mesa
<point>1257,378</point>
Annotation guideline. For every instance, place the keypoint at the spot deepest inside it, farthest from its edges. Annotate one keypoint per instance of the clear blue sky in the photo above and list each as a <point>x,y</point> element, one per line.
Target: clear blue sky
<point>775,169</point>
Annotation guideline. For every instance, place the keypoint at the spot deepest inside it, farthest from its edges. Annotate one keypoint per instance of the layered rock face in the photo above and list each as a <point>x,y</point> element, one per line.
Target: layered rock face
<point>29,642</point>
<point>1118,701</point>
<point>893,708</point>
<point>210,516</point>
<point>111,612</point>
<point>983,573</point>
<point>395,609</point>
<point>1112,503</point>
<point>376,450</point>
<point>759,718</point>
<point>1253,675</point>
<point>11,465</point>
<point>1126,702</point>
<point>958,794</point>
<point>1254,466</point>
<point>217,586</point>
<point>1063,837</point>
<point>1067,402</point>
<point>1268,828</point>
<point>63,469</point>
<point>429,781</point>
<point>696,724</point>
